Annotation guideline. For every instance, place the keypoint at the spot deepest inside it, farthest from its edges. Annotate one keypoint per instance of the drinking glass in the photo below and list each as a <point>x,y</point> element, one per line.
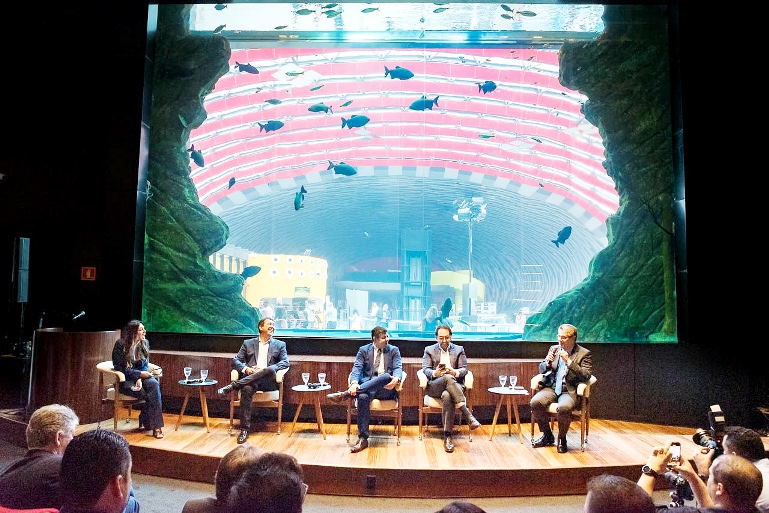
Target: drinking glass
<point>502,379</point>
<point>204,374</point>
<point>322,378</point>
<point>187,372</point>
<point>513,381</point>
<point>306,378</point>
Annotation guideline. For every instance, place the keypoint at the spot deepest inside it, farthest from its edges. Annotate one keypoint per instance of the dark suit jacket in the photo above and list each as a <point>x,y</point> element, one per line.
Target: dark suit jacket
<point>457,358</point>
<point>277,356</point>
<point>363,368</point>
<point>578,372</point>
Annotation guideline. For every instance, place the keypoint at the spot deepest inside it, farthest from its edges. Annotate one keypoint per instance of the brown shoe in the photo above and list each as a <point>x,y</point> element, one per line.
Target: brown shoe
<point>338,397</point>
<point>362,444</point>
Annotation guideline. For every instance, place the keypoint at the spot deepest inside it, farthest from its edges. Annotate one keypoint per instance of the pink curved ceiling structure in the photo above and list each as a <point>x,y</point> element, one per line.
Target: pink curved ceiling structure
<point>525,146</point>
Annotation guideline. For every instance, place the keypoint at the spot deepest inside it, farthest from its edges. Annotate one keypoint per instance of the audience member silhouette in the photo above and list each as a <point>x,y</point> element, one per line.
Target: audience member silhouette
<point>614,494</point>
<point>274,483</point>
<point>230,468</point>
<point>95,473</point>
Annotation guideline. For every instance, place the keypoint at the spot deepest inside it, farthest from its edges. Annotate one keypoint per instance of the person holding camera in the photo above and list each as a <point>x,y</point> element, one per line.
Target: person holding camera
<point>742,442</point>
<point>733,486</point>
<point>565,366</point>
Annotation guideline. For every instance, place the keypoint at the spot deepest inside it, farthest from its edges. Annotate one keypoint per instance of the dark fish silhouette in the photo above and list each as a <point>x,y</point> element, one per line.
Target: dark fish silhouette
<point>562,236</point>
<point>271,125</point>
<point>342,168</point>
<point>399,73</point>
<point>446,308</point>
<point>423,103</point>
<point>487,87</point>
<point>320,107</point>
<point>355,120</point>
<point>347,103</point>
<point>220,7</point>
<point>218,30</point>
<point>196,156</point>
<point>231,183</point>
<point>246,67</point>
<point>537,140</point>
<point>273,101</point>
<point>316,87</point>
<point>251,270</point>
<point>299,198</point>
<point>304,12</point>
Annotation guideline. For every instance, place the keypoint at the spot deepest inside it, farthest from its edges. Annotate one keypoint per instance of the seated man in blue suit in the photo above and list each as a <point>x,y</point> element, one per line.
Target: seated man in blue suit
<point>257,362</point>
<point>375,375</point>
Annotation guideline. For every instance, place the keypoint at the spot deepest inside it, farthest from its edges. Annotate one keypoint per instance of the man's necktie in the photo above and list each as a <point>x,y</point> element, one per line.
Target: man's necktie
<point>559,376</point>
<point>377,360</point>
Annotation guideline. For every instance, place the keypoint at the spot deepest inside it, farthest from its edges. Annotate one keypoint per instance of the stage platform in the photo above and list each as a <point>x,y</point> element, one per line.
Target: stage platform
<point>501,467</point>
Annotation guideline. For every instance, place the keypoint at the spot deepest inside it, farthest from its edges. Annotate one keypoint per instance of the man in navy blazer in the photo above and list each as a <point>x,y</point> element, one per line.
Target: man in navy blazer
<point>445,365</point>
<point>369,381</point>
<point>258,361</point>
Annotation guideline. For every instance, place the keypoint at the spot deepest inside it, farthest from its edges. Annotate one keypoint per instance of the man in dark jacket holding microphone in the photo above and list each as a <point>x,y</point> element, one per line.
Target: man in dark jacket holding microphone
<point>565,366</point>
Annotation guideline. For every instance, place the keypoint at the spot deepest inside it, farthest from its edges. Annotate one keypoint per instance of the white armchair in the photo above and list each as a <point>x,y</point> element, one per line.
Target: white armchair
<point>109,385</point>
<point>432,405</point>
<point>270,399</point>
<point>581,413</point>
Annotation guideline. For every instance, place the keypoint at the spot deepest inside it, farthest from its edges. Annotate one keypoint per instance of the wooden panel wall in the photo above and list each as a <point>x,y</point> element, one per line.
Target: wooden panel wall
<point>64,369</point>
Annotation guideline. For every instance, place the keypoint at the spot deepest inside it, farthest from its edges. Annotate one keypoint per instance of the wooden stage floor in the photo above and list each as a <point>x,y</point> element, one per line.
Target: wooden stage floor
<point>501,467</point>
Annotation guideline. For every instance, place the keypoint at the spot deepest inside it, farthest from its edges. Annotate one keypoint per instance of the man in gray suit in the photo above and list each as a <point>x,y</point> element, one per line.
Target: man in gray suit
<point>445,365</point>
<point>257,362</point>
<point>375,375</point>
<point>565,366</point>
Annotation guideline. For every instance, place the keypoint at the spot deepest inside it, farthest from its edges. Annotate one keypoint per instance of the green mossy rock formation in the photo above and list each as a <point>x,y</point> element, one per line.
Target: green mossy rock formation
<point>629,292</point>
<point>183,292</point>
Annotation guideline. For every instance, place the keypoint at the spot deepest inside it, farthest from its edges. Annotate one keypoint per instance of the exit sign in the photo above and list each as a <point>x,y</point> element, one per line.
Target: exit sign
<point>87,273</point>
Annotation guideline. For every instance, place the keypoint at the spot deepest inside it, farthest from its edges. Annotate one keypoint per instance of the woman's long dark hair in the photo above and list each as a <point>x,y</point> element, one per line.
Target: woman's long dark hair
<point>129,335</point>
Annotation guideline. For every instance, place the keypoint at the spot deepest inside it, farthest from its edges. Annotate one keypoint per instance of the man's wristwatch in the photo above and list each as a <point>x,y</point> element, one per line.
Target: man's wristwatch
<point>647,470</point>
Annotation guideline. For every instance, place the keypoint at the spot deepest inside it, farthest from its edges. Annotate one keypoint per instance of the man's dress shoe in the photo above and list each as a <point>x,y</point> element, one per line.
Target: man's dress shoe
<point>474,424</point>
<point>543,441</point>
<point>562,446</point>
<point>224,391</point>
<point>243,436</point>
<point>448,444</point>
<point>362,444</point>
<point>338,397</point>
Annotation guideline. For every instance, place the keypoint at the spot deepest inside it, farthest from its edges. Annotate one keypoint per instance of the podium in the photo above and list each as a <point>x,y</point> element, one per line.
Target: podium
<point>64,370</point>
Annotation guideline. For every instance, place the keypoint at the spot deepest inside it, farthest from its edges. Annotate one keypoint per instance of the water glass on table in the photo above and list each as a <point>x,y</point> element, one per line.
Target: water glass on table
<point>322,378</point>
<point>204,374</point>
<point>502,379</point>
<point>187,372</point>
<point>513,381</point>
<point>306,378</point>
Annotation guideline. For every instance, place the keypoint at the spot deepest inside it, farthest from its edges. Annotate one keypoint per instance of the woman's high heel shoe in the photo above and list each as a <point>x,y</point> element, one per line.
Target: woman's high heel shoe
<point>157,433</point>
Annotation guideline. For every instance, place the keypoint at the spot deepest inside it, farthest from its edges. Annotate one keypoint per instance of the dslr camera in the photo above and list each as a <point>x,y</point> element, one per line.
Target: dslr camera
<point>682,490</point>
<point>712,438</point>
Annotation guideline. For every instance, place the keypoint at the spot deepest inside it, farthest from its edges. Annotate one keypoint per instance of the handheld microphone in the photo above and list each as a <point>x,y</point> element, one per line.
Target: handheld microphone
<point>78,316</point>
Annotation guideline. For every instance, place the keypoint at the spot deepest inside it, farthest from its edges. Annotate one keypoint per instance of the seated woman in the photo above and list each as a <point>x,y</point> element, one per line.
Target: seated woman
<point>131,356</point>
